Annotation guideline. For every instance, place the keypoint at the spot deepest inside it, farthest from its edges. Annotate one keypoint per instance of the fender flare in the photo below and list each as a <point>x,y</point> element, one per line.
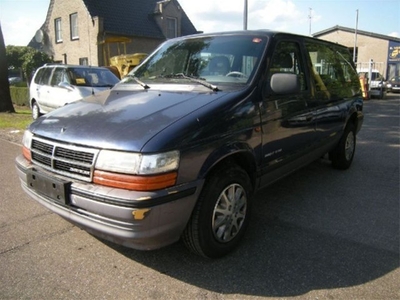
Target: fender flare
<point>237,152</point>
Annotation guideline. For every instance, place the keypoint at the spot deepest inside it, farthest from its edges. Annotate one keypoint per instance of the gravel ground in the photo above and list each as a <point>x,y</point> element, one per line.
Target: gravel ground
<point>11,135</point>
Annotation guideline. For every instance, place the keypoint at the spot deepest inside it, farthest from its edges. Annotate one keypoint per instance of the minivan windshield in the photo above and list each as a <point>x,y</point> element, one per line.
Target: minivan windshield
<point>211,61</point>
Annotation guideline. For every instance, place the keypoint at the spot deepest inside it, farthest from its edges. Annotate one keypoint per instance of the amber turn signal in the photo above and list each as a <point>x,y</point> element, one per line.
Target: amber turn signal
<point>135,182</point>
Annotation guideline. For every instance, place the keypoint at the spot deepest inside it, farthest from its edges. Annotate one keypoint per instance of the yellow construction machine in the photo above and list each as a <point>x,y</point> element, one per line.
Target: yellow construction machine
<point>122,63</point>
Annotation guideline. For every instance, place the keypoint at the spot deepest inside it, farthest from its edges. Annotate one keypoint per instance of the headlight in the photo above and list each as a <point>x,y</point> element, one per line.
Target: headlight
<point>136,163</point>
<point>159,163</point>
<point>27,139</point>
<point>135,171</point>
<point>26,144</point>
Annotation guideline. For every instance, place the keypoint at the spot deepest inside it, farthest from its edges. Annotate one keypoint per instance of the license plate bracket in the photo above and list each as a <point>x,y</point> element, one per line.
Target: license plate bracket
<point>56,189</point>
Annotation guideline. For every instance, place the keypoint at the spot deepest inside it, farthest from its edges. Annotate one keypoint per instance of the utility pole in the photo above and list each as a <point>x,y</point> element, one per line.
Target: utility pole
<point>245,16</point>
<point>355,38</point>
<point>309,17</point>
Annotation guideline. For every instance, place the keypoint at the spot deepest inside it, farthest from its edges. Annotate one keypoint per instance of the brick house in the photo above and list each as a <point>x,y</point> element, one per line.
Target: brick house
<point>92,31</point>
<point>382,49</point>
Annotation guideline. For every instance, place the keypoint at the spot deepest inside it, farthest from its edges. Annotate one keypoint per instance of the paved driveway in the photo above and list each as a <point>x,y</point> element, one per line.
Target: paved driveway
<point>318,234</point>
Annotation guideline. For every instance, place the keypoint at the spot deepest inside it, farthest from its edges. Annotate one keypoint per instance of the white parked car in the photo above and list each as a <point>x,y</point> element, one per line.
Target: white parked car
<point>56,85</point>
<point>378,85</point>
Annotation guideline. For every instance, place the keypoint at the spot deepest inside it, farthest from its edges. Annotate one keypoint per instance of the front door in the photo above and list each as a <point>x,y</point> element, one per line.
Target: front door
<point>58,96</point>
<point>288,126</point>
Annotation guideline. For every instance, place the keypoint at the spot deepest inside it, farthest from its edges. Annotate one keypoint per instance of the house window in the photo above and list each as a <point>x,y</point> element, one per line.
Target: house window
<point>171,28</point>
<point>83,61</point>
<point>57,25</point>
<point>73,20</point>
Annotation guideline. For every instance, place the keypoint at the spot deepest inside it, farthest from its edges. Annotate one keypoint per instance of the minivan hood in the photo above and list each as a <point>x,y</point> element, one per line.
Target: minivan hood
<point>120,119</point>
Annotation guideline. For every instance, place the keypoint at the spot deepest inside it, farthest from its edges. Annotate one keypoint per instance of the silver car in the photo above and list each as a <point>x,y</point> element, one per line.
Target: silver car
<point>56,85</point>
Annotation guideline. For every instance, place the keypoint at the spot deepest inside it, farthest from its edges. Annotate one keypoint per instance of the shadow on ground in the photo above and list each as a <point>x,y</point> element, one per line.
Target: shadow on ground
<point>289,248</point>
<point>276,260</point>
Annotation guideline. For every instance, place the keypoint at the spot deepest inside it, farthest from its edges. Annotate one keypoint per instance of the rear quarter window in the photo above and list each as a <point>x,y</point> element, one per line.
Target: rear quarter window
<point>43,76</point>
<point>38,76</point>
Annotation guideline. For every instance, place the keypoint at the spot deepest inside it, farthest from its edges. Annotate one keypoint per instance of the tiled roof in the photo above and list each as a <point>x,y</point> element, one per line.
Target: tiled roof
<point>132,17</point>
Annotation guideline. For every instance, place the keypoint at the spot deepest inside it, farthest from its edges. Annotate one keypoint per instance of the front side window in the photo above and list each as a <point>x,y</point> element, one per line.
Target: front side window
<point>224,60</point>
<point>287,59</point>
<point>59,76</point>
<point>58,30</point>
<point>73,19</point>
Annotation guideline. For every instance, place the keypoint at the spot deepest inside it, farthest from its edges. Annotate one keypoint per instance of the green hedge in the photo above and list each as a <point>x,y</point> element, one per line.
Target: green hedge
<point>19,95</point>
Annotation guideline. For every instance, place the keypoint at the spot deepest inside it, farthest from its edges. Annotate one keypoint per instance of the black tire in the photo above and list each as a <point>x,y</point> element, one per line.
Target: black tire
<point>342,156</point>
<point>35,111</point>
<point>206,233</point>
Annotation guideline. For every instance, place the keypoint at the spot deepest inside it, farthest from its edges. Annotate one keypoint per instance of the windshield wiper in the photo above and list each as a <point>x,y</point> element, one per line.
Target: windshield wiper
<point>141,83</point>
<point>195,79</point>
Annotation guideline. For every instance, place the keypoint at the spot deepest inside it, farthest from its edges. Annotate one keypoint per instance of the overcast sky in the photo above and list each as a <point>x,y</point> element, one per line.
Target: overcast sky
<point>21,18</point>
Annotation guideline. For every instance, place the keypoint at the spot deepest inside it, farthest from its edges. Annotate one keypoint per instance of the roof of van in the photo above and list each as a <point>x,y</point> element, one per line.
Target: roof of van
<point>70,66</point>
<point>265,32</point>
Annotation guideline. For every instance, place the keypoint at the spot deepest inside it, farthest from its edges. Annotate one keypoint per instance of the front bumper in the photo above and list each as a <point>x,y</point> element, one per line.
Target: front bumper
<point>139,220</point>
<point>395,89</point>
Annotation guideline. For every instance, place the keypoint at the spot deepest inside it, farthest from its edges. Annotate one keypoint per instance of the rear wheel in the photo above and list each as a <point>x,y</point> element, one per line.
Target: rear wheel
<point>221,215</point>
<point>342,155</point>
<point>35,111</point>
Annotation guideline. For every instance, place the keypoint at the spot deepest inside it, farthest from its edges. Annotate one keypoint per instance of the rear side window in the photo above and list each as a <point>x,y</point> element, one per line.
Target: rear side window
<point>332,72</point>
<point>43,75</point>
<point>38,76</point>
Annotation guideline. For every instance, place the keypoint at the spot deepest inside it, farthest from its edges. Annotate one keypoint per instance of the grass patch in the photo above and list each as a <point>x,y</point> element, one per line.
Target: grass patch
<point>18,120</point>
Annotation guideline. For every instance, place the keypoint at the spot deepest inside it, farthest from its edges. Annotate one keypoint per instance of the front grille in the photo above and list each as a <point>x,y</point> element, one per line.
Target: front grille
<point>68,160</point>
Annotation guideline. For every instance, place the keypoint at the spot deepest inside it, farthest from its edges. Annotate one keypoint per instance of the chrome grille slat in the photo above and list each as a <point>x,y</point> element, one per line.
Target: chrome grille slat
<point>68,160</point>
<point>42,159</point>
<point>78,156</point>
<point>42,147</point>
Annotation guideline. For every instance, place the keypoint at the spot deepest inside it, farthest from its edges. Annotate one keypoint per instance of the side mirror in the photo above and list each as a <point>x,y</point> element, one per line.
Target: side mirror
<point>66,85</point>
<point>285,83</point>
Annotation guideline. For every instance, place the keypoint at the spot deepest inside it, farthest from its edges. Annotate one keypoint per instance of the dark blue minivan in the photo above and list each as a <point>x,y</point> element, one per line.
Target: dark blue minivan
<point>180,145</point>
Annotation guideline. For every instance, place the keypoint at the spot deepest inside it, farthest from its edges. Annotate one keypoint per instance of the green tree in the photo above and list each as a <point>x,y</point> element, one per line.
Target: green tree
<point>26,59</point>
<point>33,59</point>
<point>14,56</point>
<point>5,97</point>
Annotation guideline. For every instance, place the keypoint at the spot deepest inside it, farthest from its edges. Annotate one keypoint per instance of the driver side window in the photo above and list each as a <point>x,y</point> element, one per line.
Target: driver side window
<point>287,59</point>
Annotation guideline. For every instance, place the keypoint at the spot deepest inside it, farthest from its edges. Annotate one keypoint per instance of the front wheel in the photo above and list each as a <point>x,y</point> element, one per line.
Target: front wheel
<point>35,111</point>
<point>342,155</point>
<point>221,215</point>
